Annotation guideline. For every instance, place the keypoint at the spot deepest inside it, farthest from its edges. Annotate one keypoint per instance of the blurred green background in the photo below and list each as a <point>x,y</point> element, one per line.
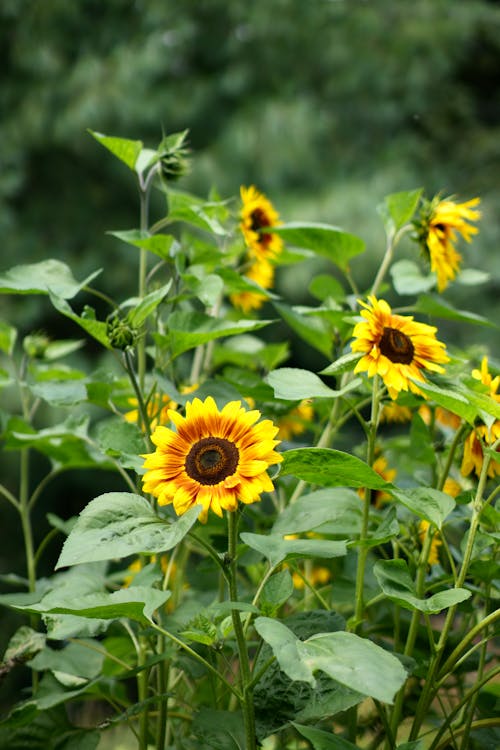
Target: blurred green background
<point>326,105</point>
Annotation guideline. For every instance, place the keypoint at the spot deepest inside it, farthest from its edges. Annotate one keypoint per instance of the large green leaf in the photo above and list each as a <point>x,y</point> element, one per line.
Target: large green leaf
<point>398,208</point>
<point>397,584</point>
<point>48,276</point>
<point>123,148</point>
<point>187,330</point>
<point>276,549</point>
<point>345,363</point>
<point>294,384</point>
<point>118,524</point>
<point>96,328</point>
<point>337,506</point>
<point>355,662</point>
<point>408,278</point>
<point>147,305</point>
<point>451,399</point>
<point>323,239</point>
<point>136,603</point>
<point>192,210</point>
<point>329,468</point>
<point>427,503</point>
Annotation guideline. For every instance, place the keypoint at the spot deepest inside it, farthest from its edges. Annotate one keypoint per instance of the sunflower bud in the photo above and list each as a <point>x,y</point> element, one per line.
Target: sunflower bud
<point>173,155</point>
<point>119,331</point>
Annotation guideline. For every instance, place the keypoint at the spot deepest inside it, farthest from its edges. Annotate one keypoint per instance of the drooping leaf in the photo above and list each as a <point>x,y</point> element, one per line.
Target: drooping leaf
<point>46,277</point>
<point>276,549</point>
<point>427,503</point>
<point>118,524</point>
<point>329,468</point>
<point>338,507</point>
<point>294,384</point>
<point>437,307</point>
<point>96,328</point>
<point>355,662</point>
<point>321,740</point>
<point>323,239</point>
<point>397,584</point>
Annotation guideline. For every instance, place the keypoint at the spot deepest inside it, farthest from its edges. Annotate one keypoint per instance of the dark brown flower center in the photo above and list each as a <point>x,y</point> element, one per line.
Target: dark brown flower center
<point>260,220</point>
<point>396,346</point>
<point>211,460</point>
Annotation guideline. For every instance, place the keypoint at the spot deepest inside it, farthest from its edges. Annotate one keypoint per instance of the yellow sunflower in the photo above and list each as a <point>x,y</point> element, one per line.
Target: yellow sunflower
<point>473,448</point>
<point>441,221</point>
<point>214,459</point>
<point>395,347</point>
<point>433,558</point>
<point>258,215</point>
<point>262,272</point>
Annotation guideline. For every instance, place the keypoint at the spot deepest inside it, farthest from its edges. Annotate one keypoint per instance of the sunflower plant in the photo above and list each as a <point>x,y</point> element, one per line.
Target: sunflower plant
<point>277,557</point>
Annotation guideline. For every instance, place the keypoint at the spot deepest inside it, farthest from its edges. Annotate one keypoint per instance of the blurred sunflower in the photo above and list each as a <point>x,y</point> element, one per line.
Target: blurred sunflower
<point>156,408</point>
<point>437,229</point>
<point>317,576</point>
<point>473,446</point>
<point>295,421</point>
<point>214,459</point>
<point>258,215</point>
<point>262,272</point>
<point>436,543</point>
<point>393,412</point>
<point>442,417</point>
<point>396,347</point>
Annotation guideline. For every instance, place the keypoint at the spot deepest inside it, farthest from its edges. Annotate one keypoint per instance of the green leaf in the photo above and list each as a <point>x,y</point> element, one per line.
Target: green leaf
<point>147,305</point>
<point>96,328</point>
<point>277,590</point>
<point>117,436</point>
<point>324,286</point>
<point>23,645</point>
<point>355,662</point>
<point>321,740</point>
<point>313,330</point>
<point>118,524</point>
<point>472,277</point>
<point>192,210</point>
<point>395,581</point>
<point>407,278</point>
<point>136,603</point>
<point>187,330</point>
<point>276,549</point>
<point>337,506</point>
<point>323,239</point>
<point>81,660</point>
<point>159,244</point>
<point>450,399</point>
<point>8,336</point>
<point>427,503</point>
<point>329,468</point>
<point>345,363</point>
<point>61,393</point>
<point>437,307</point>
<point>398,208</point>
<point>294,384</point>
<point>208,287</point>
<point>125,149</point>
<point>48,276</point>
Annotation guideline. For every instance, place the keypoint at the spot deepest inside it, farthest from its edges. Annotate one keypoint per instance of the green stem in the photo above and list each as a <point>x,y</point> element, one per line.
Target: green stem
<point>451,455</point>
<point>363,536</point>
<point>471,635</point>
<point>24,511</point>
<point>142,690</point>
<point>429,686</point>
<point>9,496</point>
<point>162,687</point>
<point>392,240</point>
<point>138,393</point>
<point>246,700</point>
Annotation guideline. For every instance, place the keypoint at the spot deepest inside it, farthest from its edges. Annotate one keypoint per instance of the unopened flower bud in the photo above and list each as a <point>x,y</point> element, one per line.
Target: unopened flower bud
<point>120,333</point>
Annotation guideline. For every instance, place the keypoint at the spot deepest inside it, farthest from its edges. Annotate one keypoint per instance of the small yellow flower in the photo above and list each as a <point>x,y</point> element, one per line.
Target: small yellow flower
<point>296,421</point>
<point>396,347</point>
<point>319,576</point>
<point>440,223</point>
<point>214,459</point>
<point>442,417</point>
<point>258,215</point>
<point>473,449</point>
<point>452,487</point>
<point>433,558</point>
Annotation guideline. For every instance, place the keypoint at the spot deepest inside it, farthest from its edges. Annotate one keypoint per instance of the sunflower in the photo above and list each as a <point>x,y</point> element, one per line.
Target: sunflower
<point>262,272</point>
<point>433,558</point>
<point>258,215</point>
<point>437,230</point>
<point>393,412</point>
<point>443,417</point>
<point>214,459</point>
<point>473,446</point>
<point>396,347</point>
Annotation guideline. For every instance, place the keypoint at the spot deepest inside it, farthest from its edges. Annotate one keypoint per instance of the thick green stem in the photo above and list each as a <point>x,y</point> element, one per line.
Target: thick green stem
<point>246,700</point>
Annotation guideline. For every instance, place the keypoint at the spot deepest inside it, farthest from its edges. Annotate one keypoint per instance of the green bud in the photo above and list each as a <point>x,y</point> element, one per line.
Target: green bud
<point>120,333</point>
<point>173,154</point>
<point>35,345</point>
